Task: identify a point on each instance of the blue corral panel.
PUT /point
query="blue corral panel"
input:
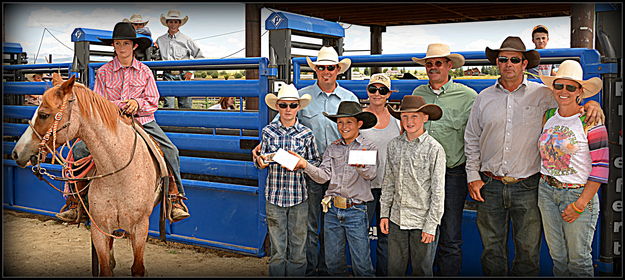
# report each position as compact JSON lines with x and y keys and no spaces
{"x":92,"y":35}
{"x":245,"y":120}
{"x":219,"y":167}
{"x":8,"y":47}
{"x":20,"y":88}
{"x":282,"y":20}
{"x":202,"y":142}
{"x":236,"y":88}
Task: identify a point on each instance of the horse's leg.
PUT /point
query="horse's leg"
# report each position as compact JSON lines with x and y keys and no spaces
{"x":138,"y":238}
{"x":101,"y":243}
{"x":111,"y":255}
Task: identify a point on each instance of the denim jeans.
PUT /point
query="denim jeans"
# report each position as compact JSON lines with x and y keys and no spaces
{"x":315,"y":256}
{"x":349,"y":225}
{"x":381,"y":251}
{"x":405,"y":246}
{"x":449,"y":253}
{"x":184,"y":102}
{"x":570,"y":244}
{"x":504,"y":203}
{"x":287,"y":232}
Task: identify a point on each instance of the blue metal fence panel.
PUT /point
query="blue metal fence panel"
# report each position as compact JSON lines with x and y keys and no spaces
{"x":282,"y":20}
{"x":8,"y":47}
{"x":92,"y":35}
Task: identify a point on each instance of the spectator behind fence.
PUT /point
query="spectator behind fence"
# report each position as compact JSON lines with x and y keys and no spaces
{"x":33,"y":99}
{"x":575,"y":162}
{"x":540,"y":38}
{"x":174,"y":45}
{"x":225,"y":103}
{"x":139,"y":24}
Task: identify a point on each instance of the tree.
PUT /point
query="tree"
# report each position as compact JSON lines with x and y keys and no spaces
{"x":393,"y":68}
{"x":366,"y":71}
{"x":214,"y":75}
{"x":357,"y":70}
{"x":238,"y":75}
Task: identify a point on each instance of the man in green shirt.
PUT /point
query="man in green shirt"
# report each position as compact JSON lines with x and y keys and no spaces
{"x":456,"y":101}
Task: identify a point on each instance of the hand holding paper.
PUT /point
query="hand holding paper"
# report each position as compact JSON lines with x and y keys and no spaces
{"x":362,"y":157}
{"x":286,"y":159}
{"x":302,"y":163}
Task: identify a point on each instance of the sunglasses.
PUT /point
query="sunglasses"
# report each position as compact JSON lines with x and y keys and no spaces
{"x":284,"y":105}
{"x":322,"y":67}
{"x":514,"y":60}
{"x":381,"y":90}
{"x":570,"y":88}
{"x":438,"y":63}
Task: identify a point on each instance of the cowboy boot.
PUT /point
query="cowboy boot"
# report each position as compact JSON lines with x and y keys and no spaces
{"x":179,"y":211}
{"x":72,"y":211}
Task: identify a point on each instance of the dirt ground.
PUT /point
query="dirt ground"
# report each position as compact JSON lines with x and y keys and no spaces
{"x":41,"y":246}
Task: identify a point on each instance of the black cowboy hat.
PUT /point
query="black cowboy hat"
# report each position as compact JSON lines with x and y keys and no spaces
{"x":125,"y":31}
{"x":514,"y":44}
{"x":414,"y":103}
{"x":353,"y":109}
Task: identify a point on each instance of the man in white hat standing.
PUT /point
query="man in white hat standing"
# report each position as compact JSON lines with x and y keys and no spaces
{"x":174,"y":45}
{"x":503,"y":160}
{"x":455,"y":100}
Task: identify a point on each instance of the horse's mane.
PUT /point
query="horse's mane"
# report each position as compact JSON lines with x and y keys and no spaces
{"x":92,"y":105}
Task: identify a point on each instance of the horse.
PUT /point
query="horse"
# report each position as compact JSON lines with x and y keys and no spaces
{"x":122,"y":200}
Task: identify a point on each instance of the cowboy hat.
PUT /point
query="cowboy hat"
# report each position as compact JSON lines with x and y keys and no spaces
{"x":353,"y":109}
{"x":414,"y":103}
{"x":174,"y":14}
{"x":572,"y":70}
{"x":136,"y":18}
{"x":328,"y":56}
{"x":441,"y":50}
{"x":287,"y":92}
{"x":380,"y":78}
{"x":514,"y":44}
{"x":125,"y":31}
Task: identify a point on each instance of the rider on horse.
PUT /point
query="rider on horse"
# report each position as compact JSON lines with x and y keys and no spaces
{"x":130,"y":84}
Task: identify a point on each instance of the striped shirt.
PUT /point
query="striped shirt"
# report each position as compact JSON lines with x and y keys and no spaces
{"x":118,"y":83}
{"x":286,"y":188}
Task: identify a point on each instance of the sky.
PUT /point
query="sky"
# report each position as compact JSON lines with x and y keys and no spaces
{"x":218,"y":29}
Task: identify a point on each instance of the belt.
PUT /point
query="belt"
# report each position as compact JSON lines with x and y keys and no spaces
{"x":343,"y":203}
{"x":559,"y":185}
{"x":504,"y":179}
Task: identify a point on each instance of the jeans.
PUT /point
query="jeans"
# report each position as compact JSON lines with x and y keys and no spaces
{"x":570,"y":244}
{"x":184,"y":102}
{"x":381,"y":251}
{"x":315,"y":256}
{"x":287,"y":232}
{"x":170,"y":151}
{"x":405,"y":246}
{"x":349,"y":225}
{"x":449,"y":253}
{"x":504,"y":203}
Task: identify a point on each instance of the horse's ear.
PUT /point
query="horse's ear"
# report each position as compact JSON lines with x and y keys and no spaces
{"x":56,"y":79}
{"x":66,"y":87}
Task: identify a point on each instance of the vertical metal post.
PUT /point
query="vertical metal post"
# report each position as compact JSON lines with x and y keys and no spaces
{"x":280,"y":53}
{"x":376,"y":44}
{"x":81,"y":61}
{"x":252,"y":46}
{"x":582,"y":25}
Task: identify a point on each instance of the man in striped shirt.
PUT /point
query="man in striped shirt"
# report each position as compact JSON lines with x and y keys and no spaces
{"x":285,"y":191}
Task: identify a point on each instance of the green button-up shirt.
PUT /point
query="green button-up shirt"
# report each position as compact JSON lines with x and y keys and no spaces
{"x":456,"y":101}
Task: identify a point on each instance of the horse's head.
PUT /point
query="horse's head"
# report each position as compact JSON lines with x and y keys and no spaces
{"x":50,"y":123}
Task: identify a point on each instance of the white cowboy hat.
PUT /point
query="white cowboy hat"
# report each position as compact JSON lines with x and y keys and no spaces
{"x":441,"y":50}
{"x":572,"y":70}
{"x":287,"y":92}
{"x":136,"y":18}
{"x":328,"y":56}
{"x":380,"y":78}
{"x":174,"y":14}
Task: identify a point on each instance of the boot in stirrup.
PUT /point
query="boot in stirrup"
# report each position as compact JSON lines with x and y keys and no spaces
{"x":179,"y":210}
{"x":71,"y":212}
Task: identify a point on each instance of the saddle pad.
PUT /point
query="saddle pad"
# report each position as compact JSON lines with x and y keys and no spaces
{"x":152,"y":146}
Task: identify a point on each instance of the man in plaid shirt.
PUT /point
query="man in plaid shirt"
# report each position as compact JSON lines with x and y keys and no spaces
{"x":285,"y":191}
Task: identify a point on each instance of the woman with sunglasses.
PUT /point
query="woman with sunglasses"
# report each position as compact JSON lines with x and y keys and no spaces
{"x":386,"y":129}
{"x":574,"y":163}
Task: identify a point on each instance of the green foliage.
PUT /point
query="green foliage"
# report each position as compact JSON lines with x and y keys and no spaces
{"x":367,"y":71}
{"x":214,"y":75}
{"x":238,"y":75}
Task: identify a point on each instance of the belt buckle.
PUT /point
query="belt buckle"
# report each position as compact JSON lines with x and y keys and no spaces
{"x":340,"y":202}
{"x":509,"y":180}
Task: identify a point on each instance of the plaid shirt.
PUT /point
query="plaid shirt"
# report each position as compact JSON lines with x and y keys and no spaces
{"x":118,"y":83}
{"x":287,"y":188}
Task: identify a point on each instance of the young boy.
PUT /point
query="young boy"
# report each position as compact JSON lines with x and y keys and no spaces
{"x":285,"y":191}
{"x":413,"y":190}
{"x":348,"y":191}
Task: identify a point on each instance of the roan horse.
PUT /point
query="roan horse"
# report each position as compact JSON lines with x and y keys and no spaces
{"x":123,"y":200}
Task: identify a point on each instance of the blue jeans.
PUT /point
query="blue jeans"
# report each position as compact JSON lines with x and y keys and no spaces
{"x":570,"y":244}
{"x":381,"y":251}
{"x":349,"y":225}
{"x":406,"y":246}
{"x":184,"y":102}
{"x":315,"y":256}
{"x":287,"y":232}
{"x":504,"y":203}
{"x":449,"y":254}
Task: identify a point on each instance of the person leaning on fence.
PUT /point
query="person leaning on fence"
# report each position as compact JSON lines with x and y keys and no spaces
{"x":540,"y":38}
{"x":413,"y":190}
{"x":139,"y":100}
{"x":503,"y":161}
{"x":574,"y":163}
{"x":285,"y":191}
{"x":387,"y":128}
{"x":349,"y":190}
{"x":174,"y":45}
{"x":455,"y":99}
{"x":139,"y":24}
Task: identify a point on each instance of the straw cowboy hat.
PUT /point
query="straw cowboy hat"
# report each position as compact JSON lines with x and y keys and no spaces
{"x":514,"y":44}
{"x":328,"y":56}
{"x":174,"y":14}
{"x":572,"y":70}
{"x":287,"y":92}
{"x":125,"y":31}
{"x":353,"y":109}
{"x":136,"y":18}
{"x":441,"y":50}
{"x":414,"y":103}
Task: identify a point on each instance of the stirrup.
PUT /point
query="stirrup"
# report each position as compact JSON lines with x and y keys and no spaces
{"x":177,"y":209}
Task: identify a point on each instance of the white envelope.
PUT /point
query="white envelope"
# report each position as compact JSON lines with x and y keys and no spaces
{"x":285,"y":159}
{"x":362,"y":157}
